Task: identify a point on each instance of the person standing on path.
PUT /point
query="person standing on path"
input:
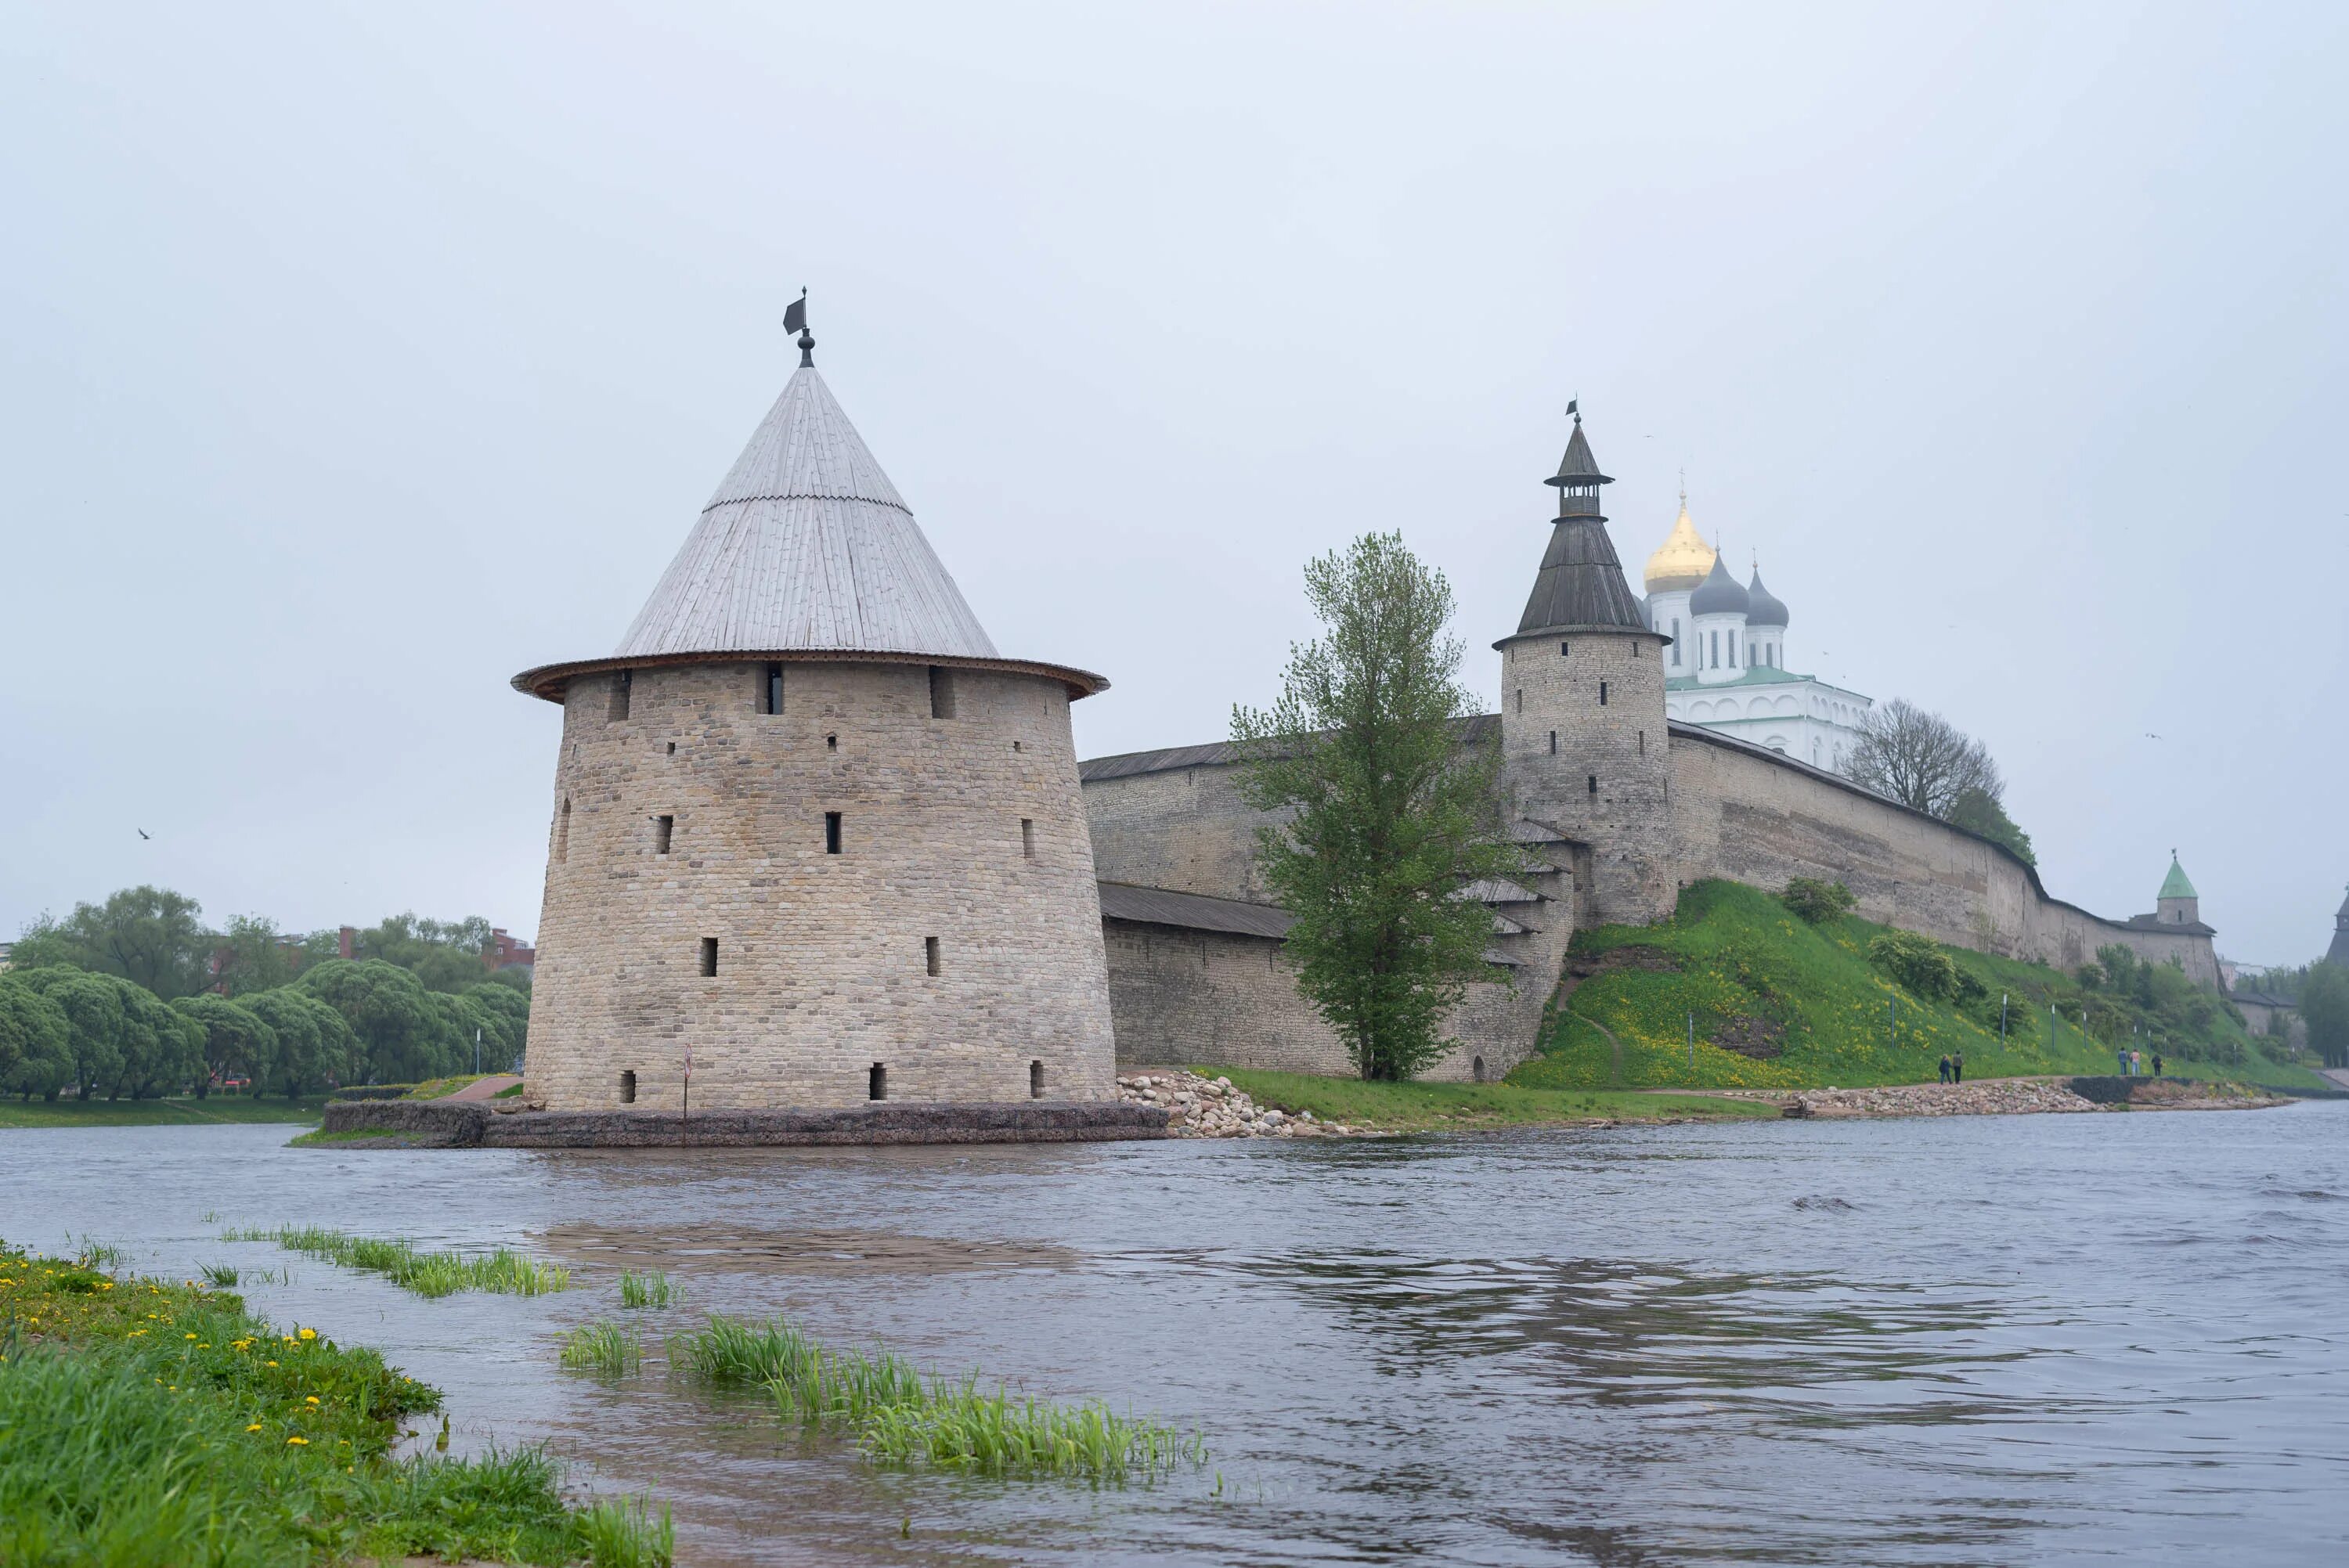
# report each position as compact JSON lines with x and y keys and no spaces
{"x":1945,"y":1067}
{"x":1957,"y":1067}
{"x":2136,"y":1064}
{"x":2122,"y":1057}
{"x":2157,"y":1064}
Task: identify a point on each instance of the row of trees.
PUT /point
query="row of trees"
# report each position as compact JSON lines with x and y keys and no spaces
{"x":137,"y":997}
{"x":340,"y":1022}
{"x":157,"y":940}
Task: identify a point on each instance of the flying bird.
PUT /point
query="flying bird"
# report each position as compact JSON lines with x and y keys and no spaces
{"x":2151,"y":736}
{"x":145,"y":834}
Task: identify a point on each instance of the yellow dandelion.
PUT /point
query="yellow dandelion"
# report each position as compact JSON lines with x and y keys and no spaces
{"x":297,"y":1442}
{"x":191,"y":1336}
{"x":269,"y":1364}
{"x":310,"y":1398}
{"x":255,"y":1427}
{"x":310,"y":1334}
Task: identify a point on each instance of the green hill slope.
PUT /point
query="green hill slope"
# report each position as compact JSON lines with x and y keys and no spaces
{"x":1781,"y":1003}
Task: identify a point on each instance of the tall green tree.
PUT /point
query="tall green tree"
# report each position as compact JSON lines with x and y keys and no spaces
{"x":507,"y":1010}
{"x":402,"y":1036}
{"x":150,"y":936}
{"x":1981,"y":813}
{"x":443,"y":955}
{"x":237,"y":1042}
{"x":35,"y":1055}
{"x":2324,"y":1008}
{"x":252,"y":955}
{"x":314,"y":1042}
{"x":1385,"y":816}
{"x":92,"y":1007}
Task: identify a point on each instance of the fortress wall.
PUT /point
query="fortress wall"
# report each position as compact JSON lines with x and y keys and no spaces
{"x":821,"y":965}
{"x":1758,"y":818}
{"x":1212,"y":997}
{"x":1186,"y":828}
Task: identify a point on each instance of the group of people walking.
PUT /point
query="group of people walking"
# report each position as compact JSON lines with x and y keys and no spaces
{"x":2133,"y":1063}
{"x":1953,"y":1067}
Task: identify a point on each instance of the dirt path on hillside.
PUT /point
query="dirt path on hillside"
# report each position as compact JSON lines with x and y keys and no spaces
{"x":1614,"y":1047}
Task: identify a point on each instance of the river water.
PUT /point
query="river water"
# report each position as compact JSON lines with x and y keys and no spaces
{"x":2046,"y":1339}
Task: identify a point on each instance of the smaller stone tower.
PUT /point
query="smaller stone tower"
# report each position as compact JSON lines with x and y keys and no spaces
{"x":2339,"y":952}
{"x":2177,"y":904}
{"x":1582,"y":710}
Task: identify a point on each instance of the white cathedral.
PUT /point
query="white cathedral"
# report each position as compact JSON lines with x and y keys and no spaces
{"x":1725,"y":667}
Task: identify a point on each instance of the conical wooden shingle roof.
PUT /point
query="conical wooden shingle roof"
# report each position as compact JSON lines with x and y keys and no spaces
{"x":806,"y":545}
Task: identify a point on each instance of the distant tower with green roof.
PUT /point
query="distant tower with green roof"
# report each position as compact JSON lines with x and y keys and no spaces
{"x":2177,"y":904}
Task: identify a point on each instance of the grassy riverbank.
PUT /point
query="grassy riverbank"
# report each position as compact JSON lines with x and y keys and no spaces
{"x":144,"y":1422}
{"x":217,"y":1109}
{"x":1436,"y":1107}
{"x":1781,"y":1003}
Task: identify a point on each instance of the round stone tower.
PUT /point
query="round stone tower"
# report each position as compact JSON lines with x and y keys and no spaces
{"x":812,"y":833}
{"x":1582,"y":711}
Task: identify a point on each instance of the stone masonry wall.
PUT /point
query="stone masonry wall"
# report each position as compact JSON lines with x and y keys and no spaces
{"x":822,"y":963}
{"x":1213,"y":998}
{"x":1757,"y":817}
{"x":1184,"y":828}
{"x":1596,"y":772}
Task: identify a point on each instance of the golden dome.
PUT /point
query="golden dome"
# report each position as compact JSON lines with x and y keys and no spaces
{"x":1684,"y":559}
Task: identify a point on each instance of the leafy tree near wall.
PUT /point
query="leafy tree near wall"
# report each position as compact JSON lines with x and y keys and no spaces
{"x":150,"y":936}
{"x":2324,"y":1007}
{"x":312,"y":1042}
{"x":36,"y":1057}
{"x":508,"y":1011}
{"x":237,"y":1042}
{"x":162,"y":1050}
{"x":402,"y":1037}
{"x":1385,"y":816}
{"x":1980,"y":813}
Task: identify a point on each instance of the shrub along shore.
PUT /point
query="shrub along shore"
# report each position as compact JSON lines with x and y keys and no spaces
{"x":148,"y":1423}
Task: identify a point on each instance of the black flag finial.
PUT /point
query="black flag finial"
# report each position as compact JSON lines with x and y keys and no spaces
{"x":795,"y":320}
{"x":1574,"y":406}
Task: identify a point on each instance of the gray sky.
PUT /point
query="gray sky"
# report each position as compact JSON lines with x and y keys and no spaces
{"x":353,"y":358}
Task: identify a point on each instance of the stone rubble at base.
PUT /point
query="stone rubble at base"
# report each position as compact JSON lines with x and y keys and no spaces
{"x":1998,"y":1096}
{"x":1211,"y":1108}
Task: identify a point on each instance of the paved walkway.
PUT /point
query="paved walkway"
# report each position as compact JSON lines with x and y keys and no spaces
{"x":486,"y":1088}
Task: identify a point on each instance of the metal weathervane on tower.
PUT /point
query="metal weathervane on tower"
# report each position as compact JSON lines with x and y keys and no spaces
{"x":795,"y":320}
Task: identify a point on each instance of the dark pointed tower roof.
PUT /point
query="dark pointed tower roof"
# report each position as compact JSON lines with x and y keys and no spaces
{"x":1762,"y":606}
{"x":1719,"y":594}
{"x":1581,"y":582}
{"x":2339,"y":952}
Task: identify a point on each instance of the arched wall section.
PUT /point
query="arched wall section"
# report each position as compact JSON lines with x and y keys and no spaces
{"x":823,"y":961}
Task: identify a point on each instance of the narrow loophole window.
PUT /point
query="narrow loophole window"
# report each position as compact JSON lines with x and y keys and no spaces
{"x":1521,"y":699}
{"x":562,"y":830}
{"x":1643,"y":743}
{"x":1602,"y":693}
{"x":1594,"y":783}
{"x":1562,"y":649}
{"x":1014,"y":745}
{"x":1028,"y":838}
{"x":831,"y":743}
{"x":672,"y":749}
{"x":629,"y":1088}
{"x":1635,"y":648}
{"x":663,"y":827}
{"x":942,"y":692}
{"x":1553,"y":743}
{"x":621,"y":682}
{"x":832,"y":832}
{"x":930,"y":954}
{"x":770,"y":690}
{"x":877,"y":1082}
{"x":708,"y":955}
{"x":1035,"y":1080}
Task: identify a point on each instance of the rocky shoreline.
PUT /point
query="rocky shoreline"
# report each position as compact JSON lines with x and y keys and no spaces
{"x":1199,"y":1107}
{"x":2017,"y":1096}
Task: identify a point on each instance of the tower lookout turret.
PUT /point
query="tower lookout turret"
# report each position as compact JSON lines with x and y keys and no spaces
{"x":1582,"y":708}
{"x":810,"y":827}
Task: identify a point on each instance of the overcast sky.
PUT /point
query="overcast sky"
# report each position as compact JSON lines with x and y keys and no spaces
{"x":355,"y":358}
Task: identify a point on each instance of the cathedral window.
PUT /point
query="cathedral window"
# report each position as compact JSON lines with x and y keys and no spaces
{"x":1716,"y":638}
{"x":1676,"y":639}
{"x":1733,"y":650}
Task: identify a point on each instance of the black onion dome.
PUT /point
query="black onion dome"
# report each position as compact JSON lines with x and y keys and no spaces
{"x":1718,"y":594}
{"x":1762,"y":606}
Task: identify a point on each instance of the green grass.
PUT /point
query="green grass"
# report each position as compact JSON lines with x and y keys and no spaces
{"x":649,"y":1290}
{"x":898,"y":1415}
{"x":442,"y":1087}
{"x":611,"y":1349}
{"x":187,"y":1112}
{"x":1435,"y":1106}
{"x":504,"y":1272}
{"x":1733,"y":954}
{"x":145,"y":1423}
